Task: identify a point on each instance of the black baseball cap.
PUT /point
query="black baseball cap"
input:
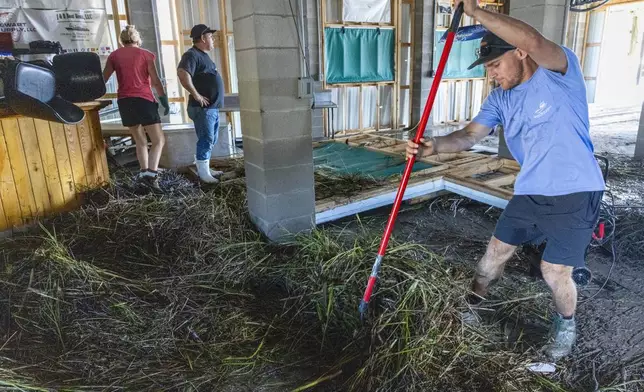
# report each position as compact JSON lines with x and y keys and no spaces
{"x":199,"y":30}
{"x":491,"y":48}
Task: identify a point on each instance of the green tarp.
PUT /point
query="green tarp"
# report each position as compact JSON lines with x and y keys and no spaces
{"x":341,"y":158}
{"x":358,"y":55}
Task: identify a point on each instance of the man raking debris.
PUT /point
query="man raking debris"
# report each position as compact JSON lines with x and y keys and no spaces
{"x":541,"y":104}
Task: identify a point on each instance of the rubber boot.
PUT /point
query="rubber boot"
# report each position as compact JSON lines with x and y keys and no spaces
{"x":203,"y":169}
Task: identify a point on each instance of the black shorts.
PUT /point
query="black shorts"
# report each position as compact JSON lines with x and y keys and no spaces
{"x":138,"y":111}
{"x":565,"y":222}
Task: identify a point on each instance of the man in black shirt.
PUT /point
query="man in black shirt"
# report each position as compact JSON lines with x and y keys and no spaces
{"x":198,"y":74}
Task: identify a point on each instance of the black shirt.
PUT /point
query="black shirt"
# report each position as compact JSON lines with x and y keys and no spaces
{"x":205,"y":77}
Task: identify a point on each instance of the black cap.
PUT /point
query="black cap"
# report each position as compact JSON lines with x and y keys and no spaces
{"x":491,"y":48}
{"x":199,"y":30}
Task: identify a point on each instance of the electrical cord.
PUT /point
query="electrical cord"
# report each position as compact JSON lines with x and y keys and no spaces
{"x":299,"y":40}
{"x":607,"y":215}
{"x":589,"y":8}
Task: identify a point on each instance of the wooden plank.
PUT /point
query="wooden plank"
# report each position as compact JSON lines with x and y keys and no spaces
{"x":400,"y":148}
{"x":511,"y":163}
{"x":92,"y":171}
{"x":498,"y":192}
{"x":67,"y":181}
{"x":412,"y":18}
{"x":176,"y":9}
{"x":322,"y":42}
{"x":50,"y":165}
{"x":395,"y":91}
{"x":75,"y":156}
{"x":3,"y":219}
{"x":505,"y":180}
{"x":478,"y":167}
{"x":97,"y":145}
{"x":19,"y":169}
{"x":116,"y":21}
{"x":434,"y":171}
{"x":202,"y":12}
{"x":422,"y":199}
{"x":466,"y":160}
{"x":223,"y":22}
{"x":585,"y":39}
{"x":128,"y":16}
{"x":8,"y":194}
{"x":35,"y":165}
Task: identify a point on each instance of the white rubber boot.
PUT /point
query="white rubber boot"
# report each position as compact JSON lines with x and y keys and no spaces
{"x":203,"y":169}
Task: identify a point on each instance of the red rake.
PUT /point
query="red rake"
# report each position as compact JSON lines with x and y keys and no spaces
{"x":451,"y":33}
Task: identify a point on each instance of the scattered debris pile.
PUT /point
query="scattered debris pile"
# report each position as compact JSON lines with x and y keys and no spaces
{"x":180,"y":292}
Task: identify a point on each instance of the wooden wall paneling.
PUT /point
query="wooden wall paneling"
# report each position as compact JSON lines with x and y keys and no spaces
{"x":50,"y":165}
{"x":3,"y":219}
{"x":94,"y":121}
{"x":8,"y":196}
{"x":86,"y":146}
{"x":19,"y":169}
{"x":34,"y":164}
{"x":67,"y":180}
{"x":75,"y":156}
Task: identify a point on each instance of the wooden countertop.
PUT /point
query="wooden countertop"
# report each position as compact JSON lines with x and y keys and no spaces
{"x":86,"y":106}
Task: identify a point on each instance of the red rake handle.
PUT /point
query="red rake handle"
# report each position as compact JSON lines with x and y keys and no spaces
{"x":451,"y":34}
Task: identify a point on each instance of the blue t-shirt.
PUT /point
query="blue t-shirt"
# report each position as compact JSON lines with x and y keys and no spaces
{"x":546,"y":126}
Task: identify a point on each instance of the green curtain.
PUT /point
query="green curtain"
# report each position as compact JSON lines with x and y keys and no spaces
{"x":357,"y":55}
{"x":463,"y":54}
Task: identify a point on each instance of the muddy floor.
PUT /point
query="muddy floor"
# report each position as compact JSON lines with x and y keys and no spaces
{"x":610,"y":348}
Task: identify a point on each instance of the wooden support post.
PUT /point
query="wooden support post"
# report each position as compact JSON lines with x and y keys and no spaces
{"x":412,"y":49}
{"x":116,"y":21}
{"x":202,"y":13}
{"x":223,"y":22}
{"x":396,"y":20}
{"x":127,"y":11}
{"x":176,"y":10}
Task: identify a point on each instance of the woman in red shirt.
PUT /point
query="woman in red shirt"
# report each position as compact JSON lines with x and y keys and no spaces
{"x":136,"y":73}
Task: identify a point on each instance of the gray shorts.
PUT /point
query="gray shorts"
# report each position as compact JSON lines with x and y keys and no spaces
{"x":565,"y":223}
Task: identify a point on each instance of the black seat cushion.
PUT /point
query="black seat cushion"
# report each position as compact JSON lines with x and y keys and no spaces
{"x":79,"y":76}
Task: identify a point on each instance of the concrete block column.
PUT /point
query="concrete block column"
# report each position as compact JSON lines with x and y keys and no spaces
{"x":547,"y":16}
{"x":276,"y":124}
{"x":142,"y":16}
{"x":639,"y":143}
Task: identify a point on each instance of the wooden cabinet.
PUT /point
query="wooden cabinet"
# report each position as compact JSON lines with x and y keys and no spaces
{"x":44,"y":166}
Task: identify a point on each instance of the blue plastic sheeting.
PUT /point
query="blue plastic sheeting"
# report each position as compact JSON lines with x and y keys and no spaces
{"x":341,"y":158}
{"x":463,"y":53}
{"x":359,"y":55}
